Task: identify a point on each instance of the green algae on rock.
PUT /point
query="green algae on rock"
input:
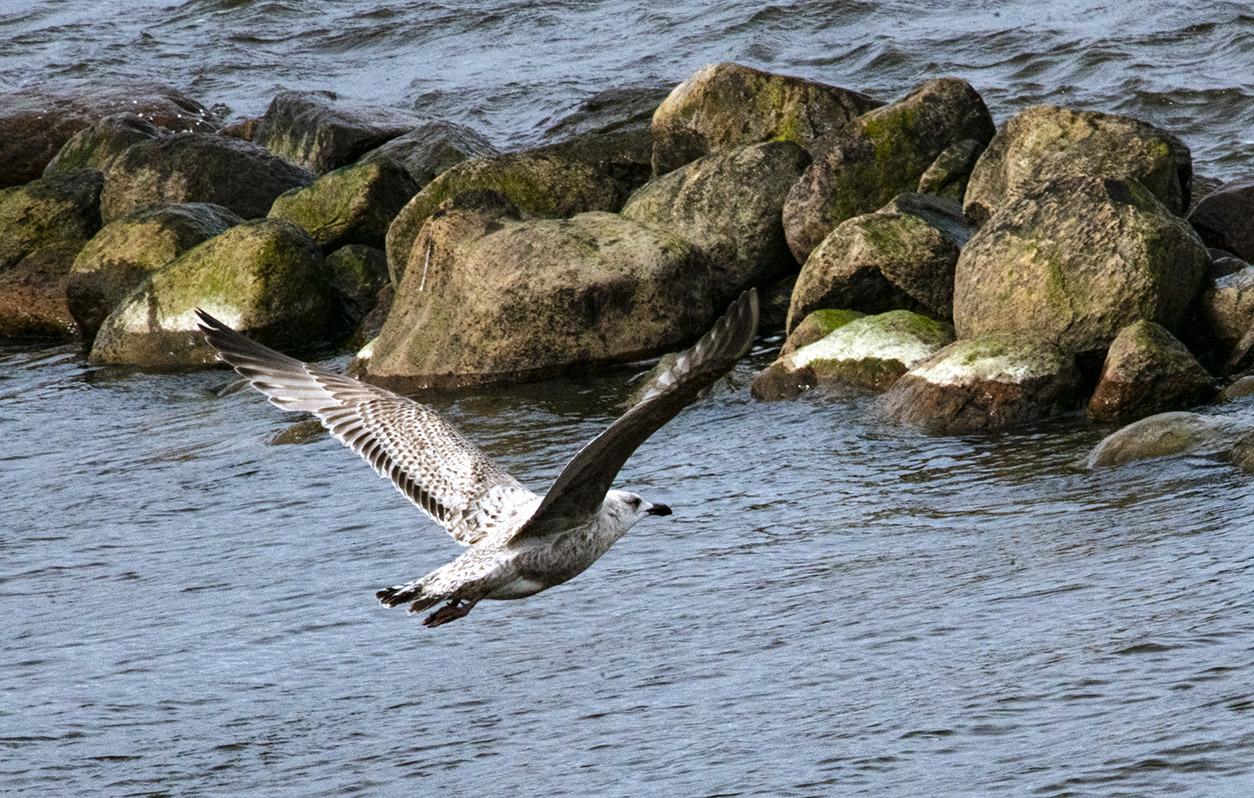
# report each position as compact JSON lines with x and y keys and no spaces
{"x":351,"y":205}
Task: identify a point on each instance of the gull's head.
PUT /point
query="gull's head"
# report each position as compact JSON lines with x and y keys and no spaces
{"x":630,"y":508}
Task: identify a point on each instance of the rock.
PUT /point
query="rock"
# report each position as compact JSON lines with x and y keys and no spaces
{"x":1148,"y":371}
{"x":1224,"y":218}
{"x":1075,"y":261}
{"x":95,"y":146}
{"x":724,"y":106}
{"x":1164,"y":435}
{"x":198,"y":167}
{"x":948,"y":175}
{"x":63,"y":209}
{"x":818,"y":324}
{"x":902,"y":256}
{"x":728,"y":204}
{"x":372,"y":324}
{"x":320,"y":132}
{"x":488,"y":297}
{"x":1243,"y":453}
{"x":352,"y":205}
{"x":1045,"y":142}
{"x":245,"y":129}
{"x":301,"y":432}
{"x":883,"y":153}
{"x":1239,"y":389}
{"x":357,"y":274}
{"x":122,"y":255}
{"x":981,"y":384}
{"x":431,"y":149}
{"x":32,"y":295}
{"x":1228,"y":303}
{"x":35,"y":123}
{"x":539,"y":185}
{"x":869,"y":353}
{"x":265,"y":278}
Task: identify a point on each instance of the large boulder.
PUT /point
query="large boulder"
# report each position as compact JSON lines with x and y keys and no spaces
{"x":122,"y":255}
{"x":724,"y":106}
{"x":198,"y":167}
{"x":35,"y":122}
{"x":1074,"y":262}
{"x":319,"y":131}
{"x":866,"y":354}
{"x":57,"y":210}
{"x":430,"y":149}
{"x":265,"y":278}
{"x":352,"y":205}
{"x":728,"y":204}
{"x":1224,"y":218}
{"x":1148,"y":371}
{"x":97,"y":145}
{"x":489,"y":297}
{"x":983,"y":384}
{"x":610,"y":131}
{"x":1045,"y":142}
{"x":901,"y":256}
{"x":883,"y":153}
{"x":32,"y":295}
{"x":539,"y":185}
{"x":1163,"y":435}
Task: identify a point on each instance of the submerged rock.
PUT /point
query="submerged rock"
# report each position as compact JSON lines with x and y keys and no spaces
{"x":868,"y":353}
{"x":1164,"y":435}
{"x":1148,"y":371}
{"x":981,"y":384}
{"x":1243,"y":453}
{"x":320,"y":132}
{"x":725,"y":106}
{"x":352,"y":205}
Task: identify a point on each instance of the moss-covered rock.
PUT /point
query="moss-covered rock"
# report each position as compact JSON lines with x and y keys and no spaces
{"x":62,"y":209}
{"x":122,"y":255}
{"x":1046,"y":142}
{"x":883,"y":153}
{"x":867,"y":354}
{"x":352,"y":205}
{"x":488,"y":297}
{"x":1148,"y":371}
{"x":1165,"y":435}
{"x":728,"y":204}
{"x":1074,"y":262}
{"x":948,"y":175}
{"x":95,"y":146}
{"x":900,"y":257}
{"x":265,"y":278}
{"x":198,"y":167}
{"x":818,"y":324}
{"x":982,"y":384}
{"x":319,"y":131}
{"x":357,"y":273}
{"x":32,"y":295}
{"x":431,"y":149}
{"x":724,"y":106}
{"x":539,"y":185}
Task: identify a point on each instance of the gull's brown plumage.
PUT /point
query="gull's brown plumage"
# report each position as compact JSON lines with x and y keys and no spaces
{"x":520,"y":544}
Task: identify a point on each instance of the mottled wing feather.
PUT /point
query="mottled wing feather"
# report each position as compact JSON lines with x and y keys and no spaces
{"x":579,"y":490}
{"x":427,"y":460}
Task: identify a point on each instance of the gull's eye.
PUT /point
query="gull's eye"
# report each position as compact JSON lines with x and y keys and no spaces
{"x":634,"y":501}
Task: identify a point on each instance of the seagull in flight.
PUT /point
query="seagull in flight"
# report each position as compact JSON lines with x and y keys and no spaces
{"x":519,"y":543}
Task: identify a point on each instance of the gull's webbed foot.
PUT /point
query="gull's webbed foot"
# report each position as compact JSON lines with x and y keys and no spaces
{"x":449,"y":612}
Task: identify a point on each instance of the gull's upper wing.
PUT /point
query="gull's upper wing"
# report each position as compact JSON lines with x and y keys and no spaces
{"x":436,"y":468}
{"x":579,"y":489}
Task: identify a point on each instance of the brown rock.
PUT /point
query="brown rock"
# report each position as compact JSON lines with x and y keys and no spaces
{"x":1148,"y":371}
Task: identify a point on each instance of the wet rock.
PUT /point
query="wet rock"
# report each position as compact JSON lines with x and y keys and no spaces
{"x":981,"y":384}
{"x":371,"y":325}
{"x":1239,"y":389}
{"x":32,"y":295}
{"x":352,"y":205}
{"x":62,"y":209}
{"x":301,"y":432}
{"x":488,"y":297}
{"x":948,"y":175}
{"x":902,"y":256}
{"x":1228,"y":304}
{"x":883,"y":153}
{"x":869,"y":353}
{"x":539,"y":185}
{"x":265,"y":278}
{"x":431,"y":149}
{"x":728,"y":204}
{"x":1243,"y":453}
{"x":1148,"y":371}
{"x":198,"y":167}
{"x":1164,"y":435}
{"x":1224,"y":218}
{"x":818,"y":324}
{"x":724,"y":106}
{"x":95,"y":146}
{"x":357,"y":274}
{"x":245,"y":129}
{"x":35,"y":124}
{"x":1045,"y":142}
{"x":1075,"y":261}
{"x":320,"y":132}
{"x":122,"y":255}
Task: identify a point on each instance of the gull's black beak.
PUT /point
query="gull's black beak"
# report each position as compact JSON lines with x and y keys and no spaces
{"x":658,"y":509}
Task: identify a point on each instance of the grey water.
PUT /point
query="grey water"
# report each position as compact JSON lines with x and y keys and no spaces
{"x":836,"y":607}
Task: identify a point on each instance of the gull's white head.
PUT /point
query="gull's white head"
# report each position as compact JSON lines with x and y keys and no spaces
{"x":628,"y":508}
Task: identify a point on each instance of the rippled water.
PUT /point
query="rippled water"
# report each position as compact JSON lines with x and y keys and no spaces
{"x":836,"y":608}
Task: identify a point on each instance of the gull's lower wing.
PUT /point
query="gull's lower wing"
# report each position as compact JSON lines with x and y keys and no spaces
{"x":579,"y":489}
{"x":428,"y":461}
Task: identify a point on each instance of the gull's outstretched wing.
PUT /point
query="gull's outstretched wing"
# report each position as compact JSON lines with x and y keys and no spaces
{"x":579,"y":489}
{"x":436,"y":468}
